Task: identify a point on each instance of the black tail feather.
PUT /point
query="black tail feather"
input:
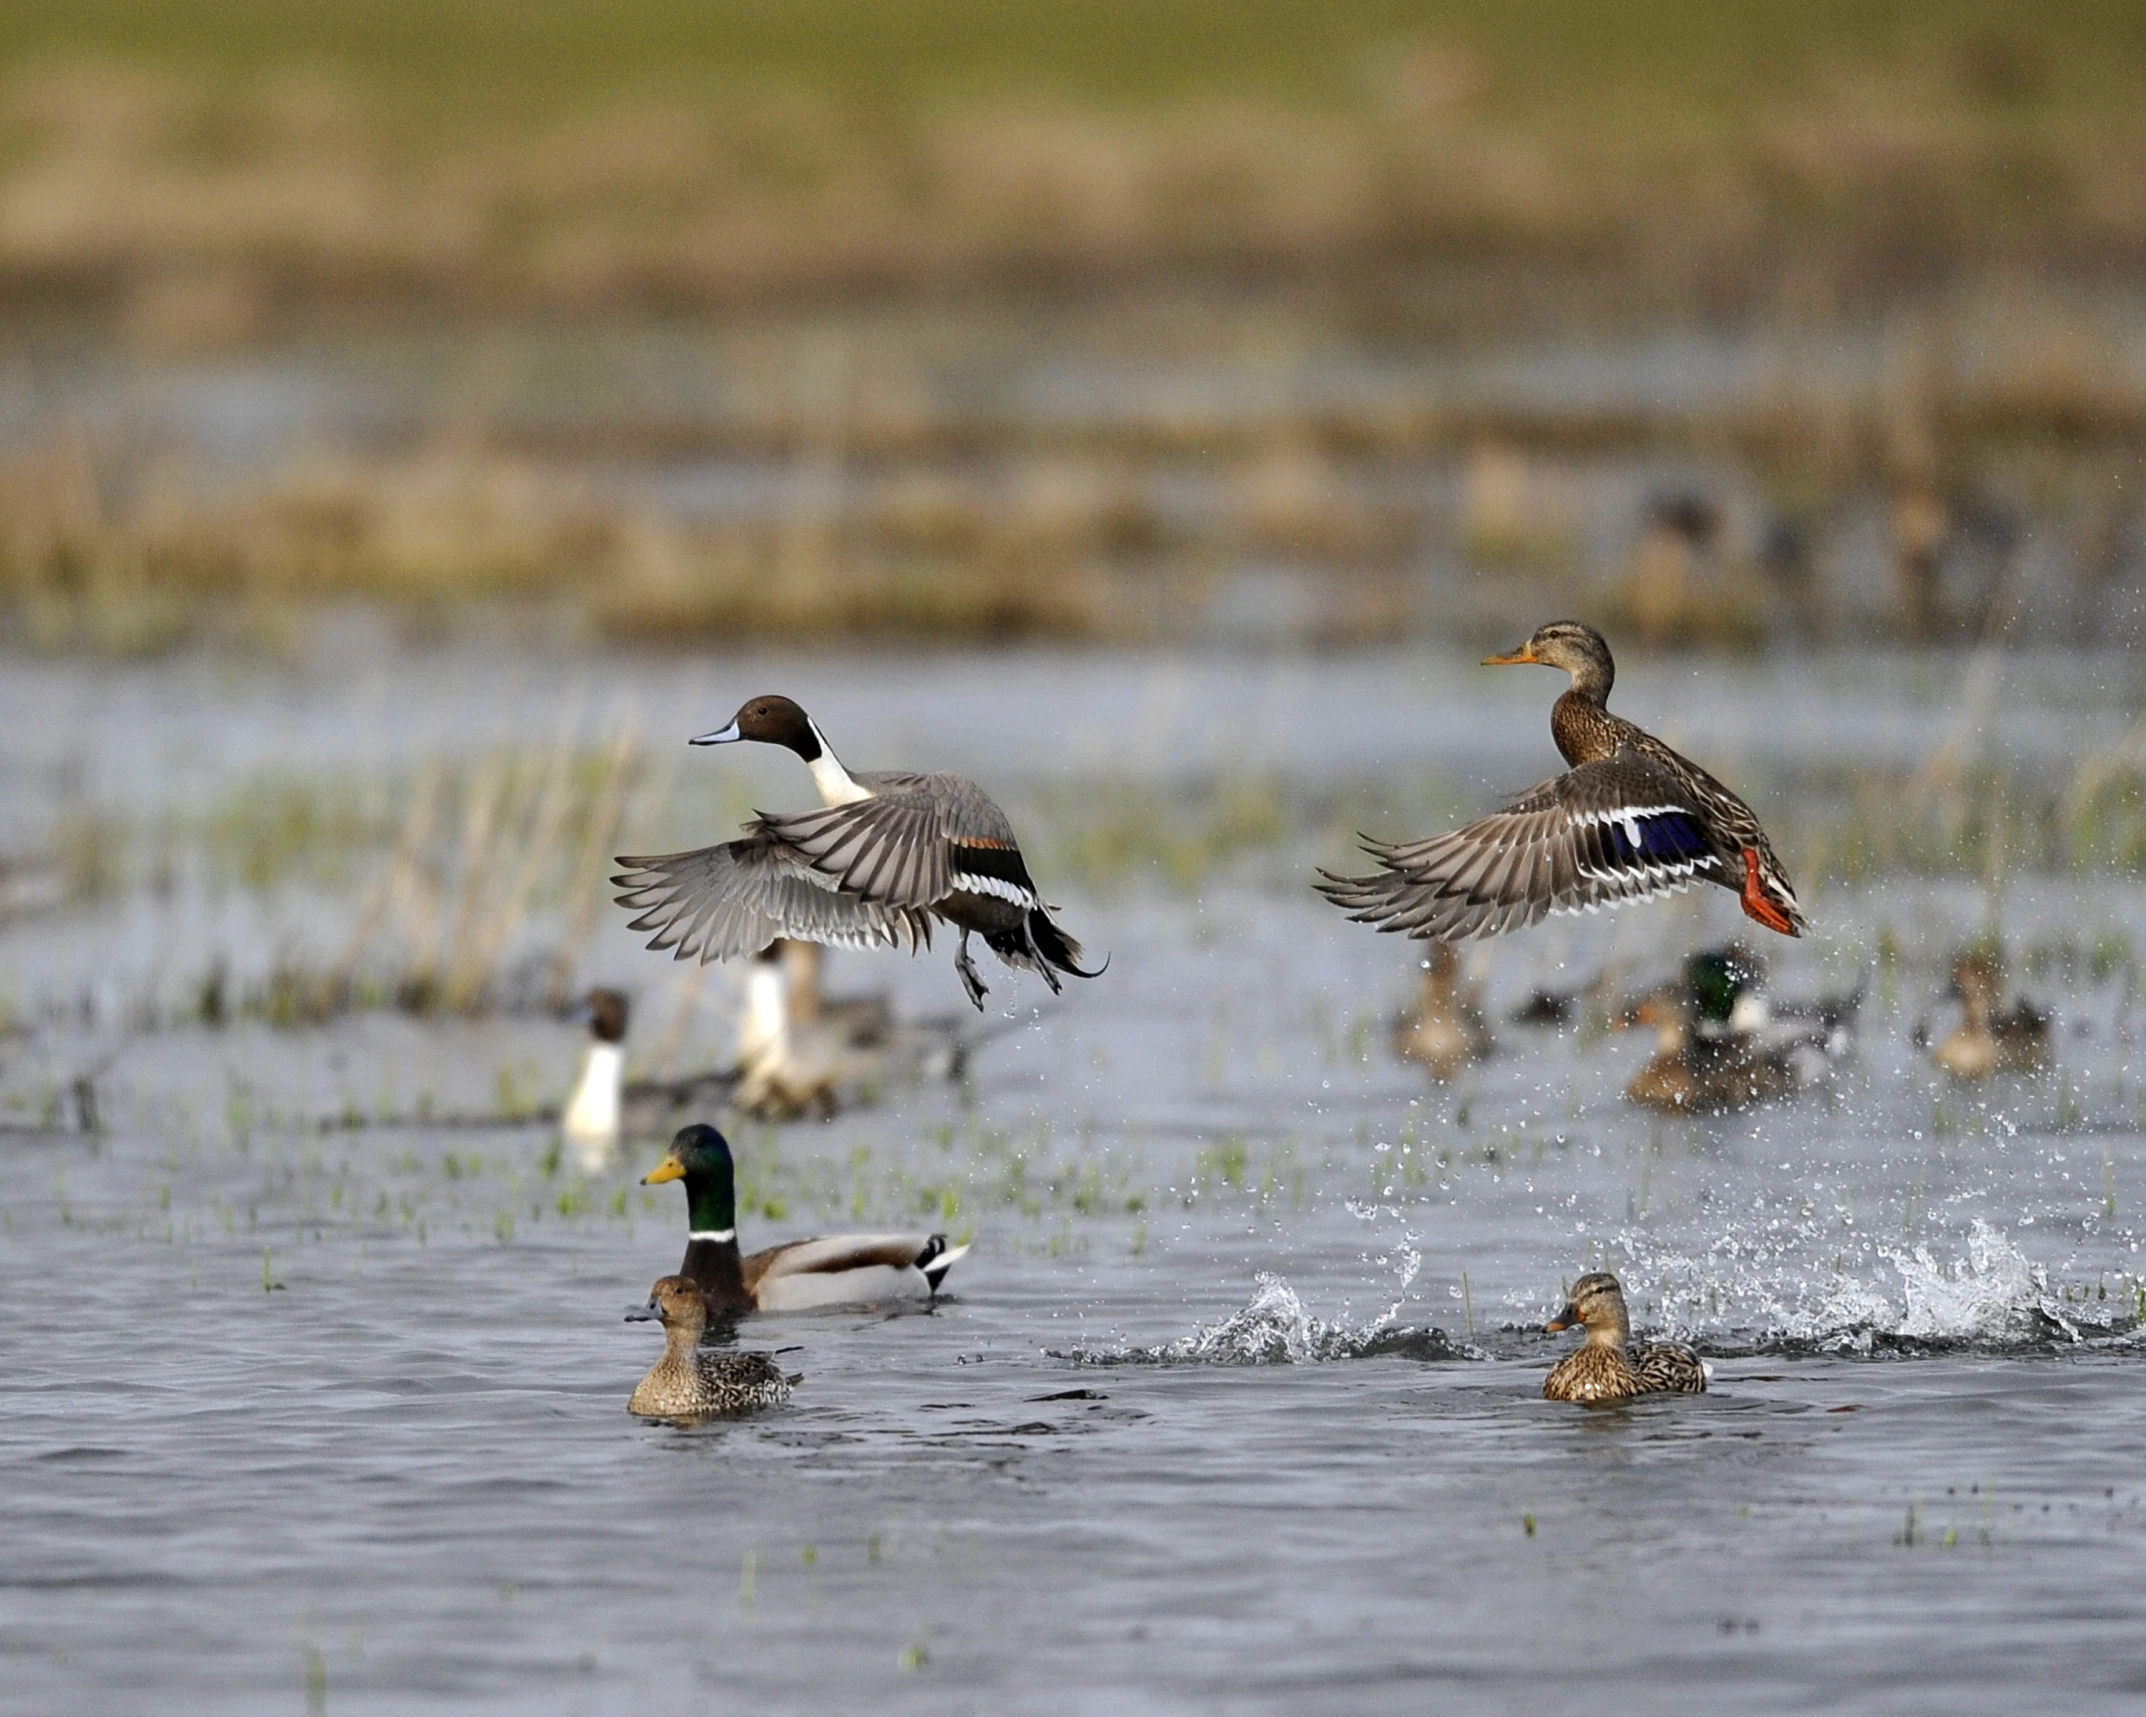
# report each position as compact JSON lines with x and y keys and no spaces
{"x":1057,"y":948}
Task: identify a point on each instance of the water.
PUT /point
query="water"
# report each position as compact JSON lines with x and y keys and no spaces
{"x":1234,"y":1406}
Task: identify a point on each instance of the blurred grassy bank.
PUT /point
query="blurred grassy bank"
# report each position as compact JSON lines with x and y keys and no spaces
{"x":675,"y":321}
{"x":209,"y":165}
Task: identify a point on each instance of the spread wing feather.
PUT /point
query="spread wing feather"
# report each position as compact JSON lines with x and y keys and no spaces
{"x":720,"y":902}
{"x":891,"y":848}
{"x":1603,"y":834}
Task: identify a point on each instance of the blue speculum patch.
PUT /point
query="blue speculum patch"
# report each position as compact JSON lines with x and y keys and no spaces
{"x":1666,"y":837}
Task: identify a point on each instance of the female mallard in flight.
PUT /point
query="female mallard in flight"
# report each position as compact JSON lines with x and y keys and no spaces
{"x":689,"y":1384}
{"x":1630,"y":820}
{"x":840,"y":1270}
{"x":889,"y":852}
{"x":1607,"y":1368}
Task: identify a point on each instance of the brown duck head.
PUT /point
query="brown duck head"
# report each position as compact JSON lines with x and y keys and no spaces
{"x":773,"y":720}
{"x":676,"y":1304}
{"x":1579,"y":650}
{"x":1597,"y":1305}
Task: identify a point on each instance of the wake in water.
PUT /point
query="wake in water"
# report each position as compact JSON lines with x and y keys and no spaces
{"x":1996,"y":1296}
{"x":1274,"y":1328}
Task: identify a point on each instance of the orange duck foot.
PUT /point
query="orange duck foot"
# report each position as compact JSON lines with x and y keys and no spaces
{"x":1756,"y":903}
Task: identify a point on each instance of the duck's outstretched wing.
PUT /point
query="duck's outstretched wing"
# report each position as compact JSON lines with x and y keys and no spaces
{"x":717,"y":903}
{"x":916,"y":840}
{"x":1603,"y":834}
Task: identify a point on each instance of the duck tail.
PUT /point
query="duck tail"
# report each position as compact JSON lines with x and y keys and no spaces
{"x":937,"y":1258}
{"x":1058,"y":949}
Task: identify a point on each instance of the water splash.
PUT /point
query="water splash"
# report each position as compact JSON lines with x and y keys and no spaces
{"x":1275,"y":1328}
{"x":1994,"y":1296}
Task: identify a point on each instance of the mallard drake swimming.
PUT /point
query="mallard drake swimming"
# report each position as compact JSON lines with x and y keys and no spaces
{"x":1630,"y":820}
{"x":689,"y":1384}
{"x":890,"y":852}
{"x":1444,"y":1030}
{"x":839,"y":1270}
{"x":1990,"y":1039}
{"x":1607,"y":1367}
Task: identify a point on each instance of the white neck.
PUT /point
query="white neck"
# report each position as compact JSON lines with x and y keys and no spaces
{"x":715,"y":1234}
{"x":833,"y":781}
{"x":592,"y":1111}
{"x":765,"y":1030}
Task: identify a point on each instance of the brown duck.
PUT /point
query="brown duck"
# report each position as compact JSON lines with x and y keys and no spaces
{"x":1607,"y":1367}
{"x":1630,"y":820}
{"x":689,"y":1384}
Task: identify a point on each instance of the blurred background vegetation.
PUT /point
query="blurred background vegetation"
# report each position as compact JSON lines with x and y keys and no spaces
{"x":1274,"y":320}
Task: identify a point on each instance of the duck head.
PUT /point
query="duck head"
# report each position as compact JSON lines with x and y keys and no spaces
{"x":1579,"y":650}
{"x":700,"y":1156}
{"x":607,"y":1012}
{"x":1596,"y":1305}
{"x":675,"y":1303}
{"x":773,"y":720}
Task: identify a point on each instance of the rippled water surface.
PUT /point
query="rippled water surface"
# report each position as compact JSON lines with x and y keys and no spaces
{"x":1235,"y":1403}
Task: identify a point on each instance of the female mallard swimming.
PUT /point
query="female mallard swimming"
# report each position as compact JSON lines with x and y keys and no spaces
{"x":1607,"y":1368}
{"x":1991,"y":1039}
{"x":840,"y":1270}
{"x":1630,"y":820}
{"x":689,"y":1384}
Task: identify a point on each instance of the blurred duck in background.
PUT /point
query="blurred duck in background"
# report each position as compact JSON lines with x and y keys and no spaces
{"x":1720,"y":1047}
{"x":1444,"y":1030}
{"x":1989,"y":1038}
{"x":604,"y":1108}
{"x":801,"y":1052}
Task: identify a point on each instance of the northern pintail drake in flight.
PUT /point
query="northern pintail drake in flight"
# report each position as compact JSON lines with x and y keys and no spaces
{"x":888,"y":852}
{"x":1607,"y":1367}
{"x":1630,"y":820}
{"x":687,"y":1383}
{"x":839,"y":1270}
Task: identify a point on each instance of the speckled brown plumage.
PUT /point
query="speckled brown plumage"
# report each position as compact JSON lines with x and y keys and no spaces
{"x":1607,"y":1367}
{"x":689,"y":1384}
{"x":1630,"y":820}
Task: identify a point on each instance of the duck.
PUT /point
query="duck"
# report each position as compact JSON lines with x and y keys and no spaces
{"x":1607,"y":1367}
{"x":605,"y":1107}
{"x":591,"y":1119}
{"x":889,"y":853}
{"x":801,"y":1053}
{"x":838,"y":1270}
{"x":689,"y":1384}
{"x":1710,"y":1056}
{"x":1988,"y":1040}
{"x":1445,"y":1029}
{"x":1630,"y":820}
